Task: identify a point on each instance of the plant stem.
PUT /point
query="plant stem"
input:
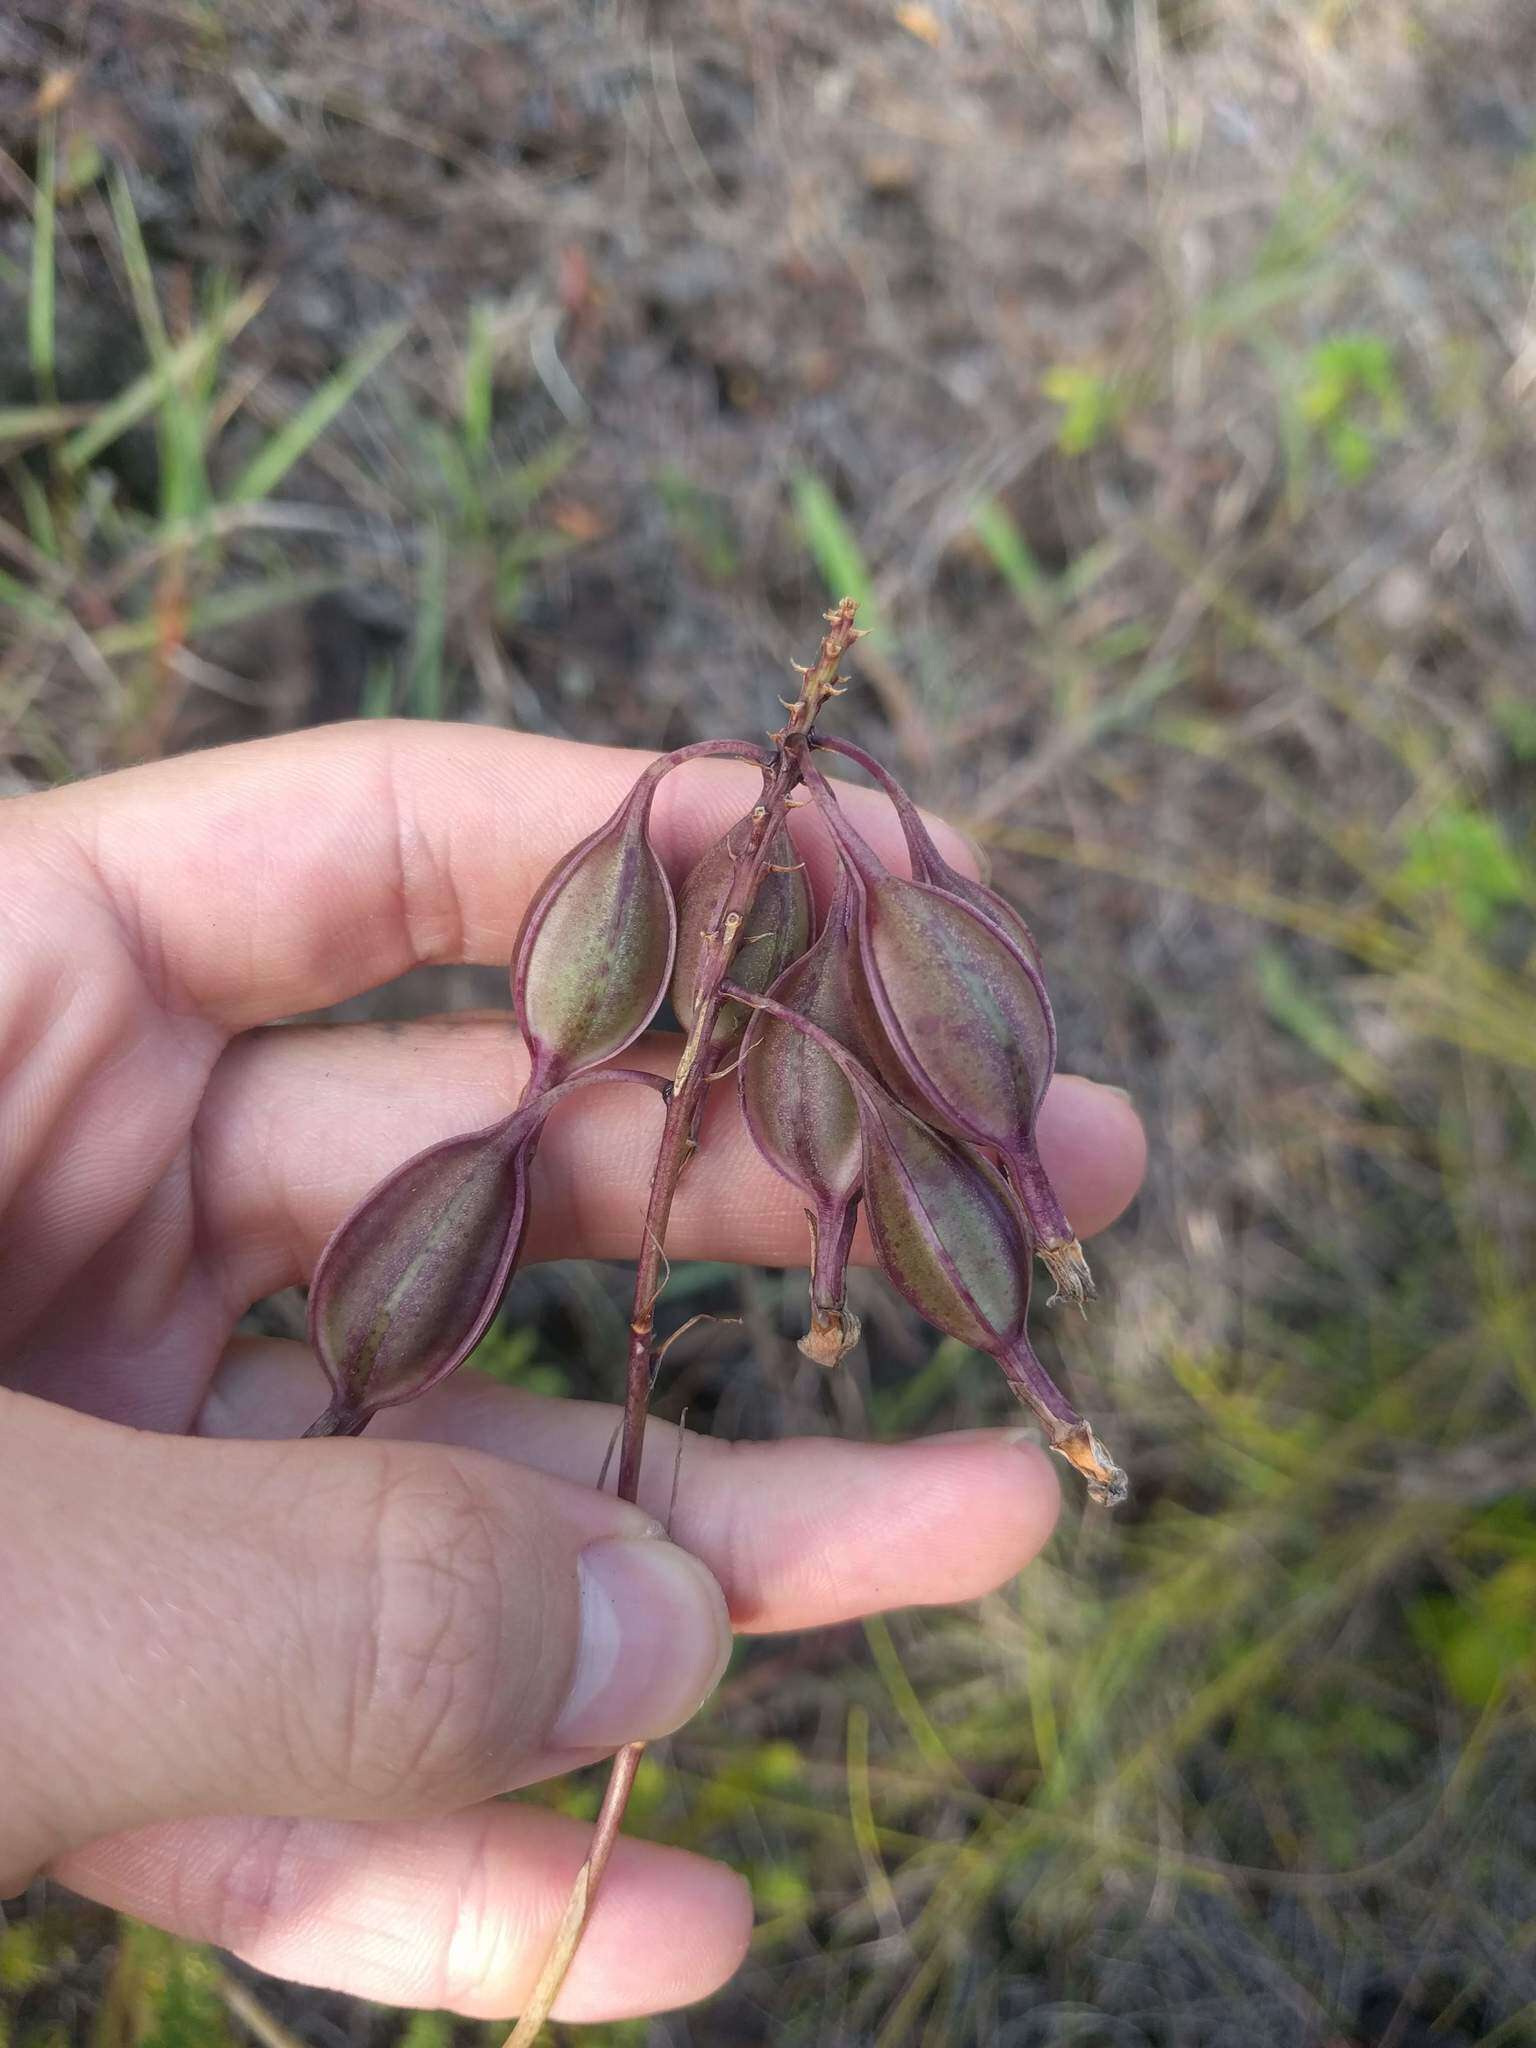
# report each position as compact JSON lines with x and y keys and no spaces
{"x":340,"y":1419}
{"x":695,"y":1070}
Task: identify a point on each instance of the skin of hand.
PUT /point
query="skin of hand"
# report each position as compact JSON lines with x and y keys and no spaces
{"x":266,"y":1692}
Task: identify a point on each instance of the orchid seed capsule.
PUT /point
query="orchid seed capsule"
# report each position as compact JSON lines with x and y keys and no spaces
{"x":928,"y":864}
{"x":952,"y":1237}
{"x":961,"y":1027}
{"x":408,"y":1282}
{"x":804,"y":1120}
{"x":775,"y":931}
{"x":949,"y":1235}
{"x":592,"y":958}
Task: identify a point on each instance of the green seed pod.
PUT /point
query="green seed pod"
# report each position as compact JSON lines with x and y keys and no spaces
{"x":804,"y":1121}
{"x":776,"y":930}
{"x":592,"y":958}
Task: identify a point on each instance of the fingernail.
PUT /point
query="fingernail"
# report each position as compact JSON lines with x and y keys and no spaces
{"x":655,"y":1638}
{"x":1124,"y":1094}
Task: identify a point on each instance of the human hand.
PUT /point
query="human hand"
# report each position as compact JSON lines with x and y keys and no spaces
{"x":265,"y":1692}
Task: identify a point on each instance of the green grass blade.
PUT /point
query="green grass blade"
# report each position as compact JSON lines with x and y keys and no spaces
{"x":29,"y":604}
{"x":424,"y":692}
{"x":146,"y":392}
{"x":833,"y":545}
{"x":41,"y":327}
{"x":378,"y":692}
{"x":520,"y":489}
{"x":1298,"y":1011}
{"x":1014,"y":561}
{"x":298,"y":435}
{"x":37,"y":509}
{"x":141,"y":281}
{"x":479,"y":364}
{"x":23,"y":423}
{"x":224,"y":608}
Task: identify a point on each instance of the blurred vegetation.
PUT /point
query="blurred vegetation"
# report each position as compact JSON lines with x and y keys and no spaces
{"x":1159,"y":379}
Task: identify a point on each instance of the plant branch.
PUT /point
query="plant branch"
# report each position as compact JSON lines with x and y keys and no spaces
{"x":782,"y":775}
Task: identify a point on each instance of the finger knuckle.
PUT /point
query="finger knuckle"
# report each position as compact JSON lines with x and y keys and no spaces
{"x":432,"y":1692}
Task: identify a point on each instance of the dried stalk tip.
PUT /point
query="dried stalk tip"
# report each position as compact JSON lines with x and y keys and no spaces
{"x":1107,"y":1484}
{"x":832,"y":1335}
{"x":1069,"y":1271}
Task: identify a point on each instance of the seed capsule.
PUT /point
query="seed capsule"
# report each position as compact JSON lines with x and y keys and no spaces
{"x":775,"y":931}
{"x":928,"y":864}
{"x":944,"y":1228}
{"x":951,"y":1235}
{"x":957,"y":1016}
{"x":407,"y":1284}
{"x":592,"y":958}
{"x":804,"y":1121}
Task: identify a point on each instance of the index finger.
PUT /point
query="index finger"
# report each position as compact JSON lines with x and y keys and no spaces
{"x":258,"y":881}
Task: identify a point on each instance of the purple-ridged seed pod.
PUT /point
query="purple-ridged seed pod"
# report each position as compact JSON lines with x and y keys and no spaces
{"x":956,"y":1016}
{"x":928,"y":864}
{"x":407,"y":1284}
{"x":952,"y":1237}
{"x":594,"y":953}
{"x":409,"y":1280}
{"x":776,"y":930}
{"x":804,"y":1120}
{"x":949,"y":1235}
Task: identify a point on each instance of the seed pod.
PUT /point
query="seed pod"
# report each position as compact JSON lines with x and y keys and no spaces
{"x":408,"y":1282}
{"x":775,"y":931}
{"x":945,"y":1230}
{"x":950,"y":1236}
{"x":591,"y":962}
{"x":804,"y":1121}
{"x":959,"y":1022}
{"x":928,"y":864}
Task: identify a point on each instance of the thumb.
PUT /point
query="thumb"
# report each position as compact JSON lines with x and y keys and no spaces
{"x":348,"y":1630}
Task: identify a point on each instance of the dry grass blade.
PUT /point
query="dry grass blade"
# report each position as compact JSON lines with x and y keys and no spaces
{"x":263,"y":2026}
{"x":567,"y":1940}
